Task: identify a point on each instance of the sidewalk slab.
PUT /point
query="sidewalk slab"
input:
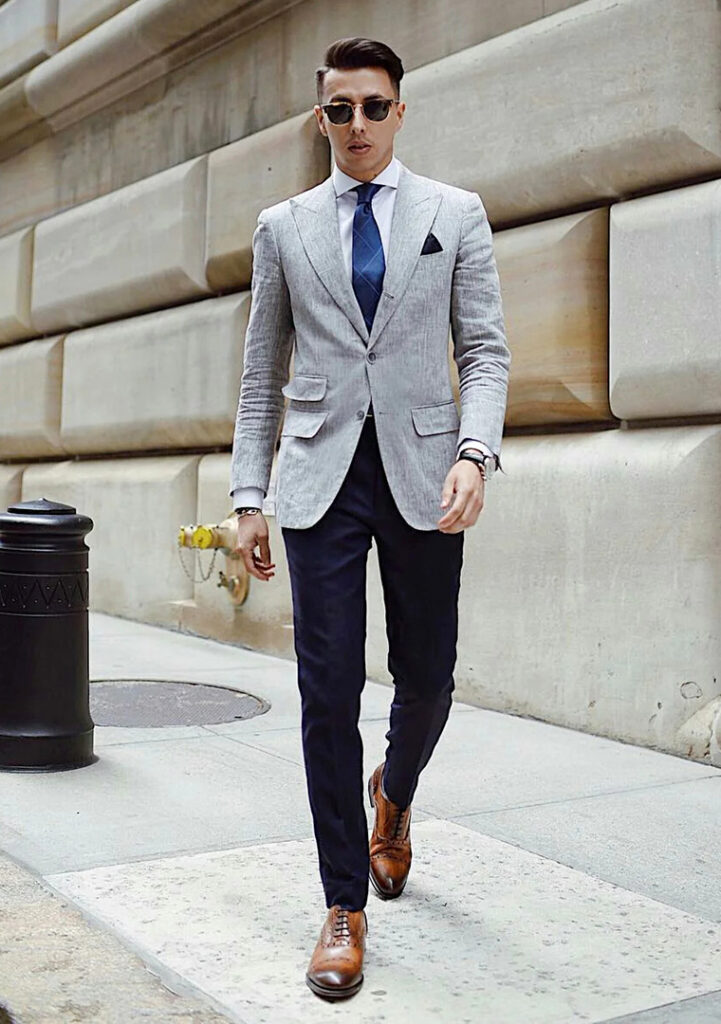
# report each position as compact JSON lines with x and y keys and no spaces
{"x":489,"y":761}
{"x":148,"y":799}
{"x":482,"y":928}
{"x":701,"y":1010}
{"x":662,"y":841}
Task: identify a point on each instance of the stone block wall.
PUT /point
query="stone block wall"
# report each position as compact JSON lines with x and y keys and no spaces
{"x":139,"y":141}
{"x":16,"y":264}
{"x":31,"y":389}
{"x":166,"y":380}
{"x":666,"y":304}
{"x":167,"y":80}
{"x":76,"y":17}
{"x":28,"y":35}
{"x":92,"y":264}
{"x":554,"y":277}
{"x":596,"y":574}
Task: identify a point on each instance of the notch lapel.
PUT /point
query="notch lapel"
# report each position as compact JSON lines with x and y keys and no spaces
{"x":317,"y":219}
{"x":417,"y":200}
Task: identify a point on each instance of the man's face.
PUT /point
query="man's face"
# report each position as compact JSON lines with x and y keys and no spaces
{"x":361,"y":148}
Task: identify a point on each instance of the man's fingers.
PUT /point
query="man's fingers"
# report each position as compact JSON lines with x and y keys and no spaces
{"x":463,"y":511}
{"x":251,"y":565}
{"x":446,"y":493}
{"x":456,"y":507}
{"x":460,"y":497}
{"x":258,"y":565}
{"x":454,"y":513}
{"x":449,"y":493}
{"x":264,"y":550}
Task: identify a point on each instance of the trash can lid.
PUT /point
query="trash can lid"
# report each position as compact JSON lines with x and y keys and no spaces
{"x":43,"y":507}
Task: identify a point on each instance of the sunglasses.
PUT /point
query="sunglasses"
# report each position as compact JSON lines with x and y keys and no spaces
{"x":342,"y":111}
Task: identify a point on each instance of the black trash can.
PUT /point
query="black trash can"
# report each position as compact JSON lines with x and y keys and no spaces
{"x":45,"y":722}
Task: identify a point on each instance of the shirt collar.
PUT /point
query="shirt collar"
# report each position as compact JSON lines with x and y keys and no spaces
{"x":342,"y":182}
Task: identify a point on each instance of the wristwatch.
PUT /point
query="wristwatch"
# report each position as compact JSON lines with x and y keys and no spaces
{"x":486,"y":463}
{"x":247,"y":510}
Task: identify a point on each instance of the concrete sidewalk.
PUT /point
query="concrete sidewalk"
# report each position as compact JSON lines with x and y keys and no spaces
{"x":557,"y":877}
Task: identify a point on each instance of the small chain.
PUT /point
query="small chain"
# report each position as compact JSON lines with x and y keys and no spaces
{"x":202,"y":579}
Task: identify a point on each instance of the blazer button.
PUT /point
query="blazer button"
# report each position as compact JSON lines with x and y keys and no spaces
{"x":360,"y":415}
{"x":371,"y":357}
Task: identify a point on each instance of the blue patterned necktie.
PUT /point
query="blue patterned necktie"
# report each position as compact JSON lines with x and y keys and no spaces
{"x":369,"y":263}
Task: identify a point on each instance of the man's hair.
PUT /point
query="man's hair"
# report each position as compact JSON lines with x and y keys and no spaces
{"x":357,"y":52}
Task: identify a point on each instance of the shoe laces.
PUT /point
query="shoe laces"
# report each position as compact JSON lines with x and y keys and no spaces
{"x":400,"y":817}
{"x":341,"y":926}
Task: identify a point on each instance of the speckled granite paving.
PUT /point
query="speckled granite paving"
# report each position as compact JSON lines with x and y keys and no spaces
{"x":57,"y":967}
{"x":481,"y":927}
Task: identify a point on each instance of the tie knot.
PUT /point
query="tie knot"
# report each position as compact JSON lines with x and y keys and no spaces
{"x":366,"y":191}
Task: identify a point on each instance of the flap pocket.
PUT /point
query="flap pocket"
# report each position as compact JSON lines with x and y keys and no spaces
{"x":436,"y":419}
{"x":300,"y":423}
{"x":305,"y":386}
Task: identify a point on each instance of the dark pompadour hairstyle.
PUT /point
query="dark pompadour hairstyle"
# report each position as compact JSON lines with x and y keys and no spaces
{"x":358,"y":52}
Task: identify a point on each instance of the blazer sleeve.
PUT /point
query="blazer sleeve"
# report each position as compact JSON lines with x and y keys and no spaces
{"x":479,"y":336}
{"x":267,"y":351}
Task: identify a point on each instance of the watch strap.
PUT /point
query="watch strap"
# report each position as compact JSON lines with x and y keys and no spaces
{"x":480,"y":459}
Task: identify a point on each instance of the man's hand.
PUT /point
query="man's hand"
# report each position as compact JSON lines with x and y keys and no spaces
{"x":252,"y":533}
{"x":466,"y":486}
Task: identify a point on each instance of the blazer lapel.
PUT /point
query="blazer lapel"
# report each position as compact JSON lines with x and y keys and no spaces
{"x":413,"y":213}
{"x":316,"y":216}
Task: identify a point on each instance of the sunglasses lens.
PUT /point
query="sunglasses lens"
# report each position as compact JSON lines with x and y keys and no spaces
{"x":342,"y":113}
{"x":376,"y":110}
{"x":339,"y":113}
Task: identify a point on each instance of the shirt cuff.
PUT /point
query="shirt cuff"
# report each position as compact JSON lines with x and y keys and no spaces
{"x":468,"y":442}
{"x":252,"y":496}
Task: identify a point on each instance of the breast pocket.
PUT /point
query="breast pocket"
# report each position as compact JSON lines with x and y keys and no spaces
{"x":435,"y":259}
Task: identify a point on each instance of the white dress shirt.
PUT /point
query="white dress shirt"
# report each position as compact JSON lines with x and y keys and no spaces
{"x":383,"y":203}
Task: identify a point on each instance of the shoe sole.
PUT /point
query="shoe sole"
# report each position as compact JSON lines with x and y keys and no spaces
{"x":333,"y":993}
{"x":381,"y":892}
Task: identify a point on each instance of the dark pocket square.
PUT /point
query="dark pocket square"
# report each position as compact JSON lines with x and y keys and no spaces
{"x":431,"y":244}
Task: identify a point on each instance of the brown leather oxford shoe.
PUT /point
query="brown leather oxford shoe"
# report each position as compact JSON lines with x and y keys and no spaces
{"x":390,"y":843}
{"x":336,"y":966}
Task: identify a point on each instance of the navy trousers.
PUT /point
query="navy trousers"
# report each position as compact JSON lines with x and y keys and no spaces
{"x":420,"y":573}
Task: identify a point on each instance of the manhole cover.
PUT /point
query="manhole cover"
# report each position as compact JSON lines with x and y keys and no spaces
{"x":148,"y":703}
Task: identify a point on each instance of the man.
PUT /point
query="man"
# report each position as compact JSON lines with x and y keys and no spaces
{"x":364,"y":274}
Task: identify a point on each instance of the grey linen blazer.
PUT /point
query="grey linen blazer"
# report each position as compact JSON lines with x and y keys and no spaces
{"x":302,"y":296}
